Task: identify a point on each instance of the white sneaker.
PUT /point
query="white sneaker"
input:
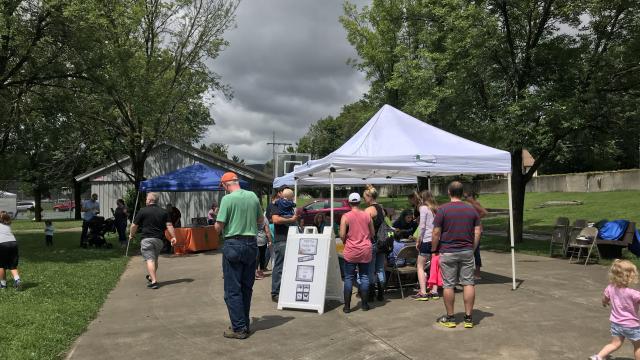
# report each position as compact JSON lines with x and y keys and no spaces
{"x":595,"y":357}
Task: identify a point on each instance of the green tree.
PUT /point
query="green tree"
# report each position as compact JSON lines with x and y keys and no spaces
{"x":33,"y":53}
{"x":216,"y":148}
{"x":327,"y":134}
{"x":147,"y":71}
{"x":513,"y":74}
{"x":237,"y":159}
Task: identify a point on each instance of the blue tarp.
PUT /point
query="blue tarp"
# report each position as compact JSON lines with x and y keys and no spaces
{"x":613,"y":230}
{"x":196,"y":177}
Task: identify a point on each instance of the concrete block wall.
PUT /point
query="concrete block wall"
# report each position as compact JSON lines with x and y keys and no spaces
{"x":578,"y":182}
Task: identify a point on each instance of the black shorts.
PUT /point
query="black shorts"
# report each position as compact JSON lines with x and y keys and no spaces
{"x":9,"y":255}
{"x":425,"y":248}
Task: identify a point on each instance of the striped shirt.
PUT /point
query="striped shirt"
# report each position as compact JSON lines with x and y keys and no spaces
{"x":457,"y":221}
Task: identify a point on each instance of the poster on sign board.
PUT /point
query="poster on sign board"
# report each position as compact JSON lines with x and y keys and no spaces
{"x":308,"y":246}
{"x":310,"y":274}
{"x":304,"y":273}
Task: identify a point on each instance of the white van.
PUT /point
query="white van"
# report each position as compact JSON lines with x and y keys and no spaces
{"x":8,"y":203}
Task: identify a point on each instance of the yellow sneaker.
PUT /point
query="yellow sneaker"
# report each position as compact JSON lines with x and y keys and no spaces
{"x":447,"y":321}
{"x":468,"y":322}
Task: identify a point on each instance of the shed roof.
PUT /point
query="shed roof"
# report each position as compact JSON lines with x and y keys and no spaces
{"x":198,"y":155}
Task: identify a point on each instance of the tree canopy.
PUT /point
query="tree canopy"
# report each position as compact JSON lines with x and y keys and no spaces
{"x":556,"y":77}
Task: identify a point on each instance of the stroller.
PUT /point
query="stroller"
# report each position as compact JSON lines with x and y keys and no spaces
{"x":98,"y":228}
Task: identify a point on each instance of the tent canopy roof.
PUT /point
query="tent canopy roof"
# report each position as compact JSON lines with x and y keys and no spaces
{"x":393,"y":143}
{"x":197,"y":177}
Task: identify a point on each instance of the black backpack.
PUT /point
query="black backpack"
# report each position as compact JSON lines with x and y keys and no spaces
{"x":383,"y":239}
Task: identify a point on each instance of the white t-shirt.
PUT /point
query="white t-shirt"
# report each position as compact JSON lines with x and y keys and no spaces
{"x":5,"y":234}
{"x":426,"y":223}
{"x":92,"y":207}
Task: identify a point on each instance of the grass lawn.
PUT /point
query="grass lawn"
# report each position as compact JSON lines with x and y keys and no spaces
{"x":20,"y":225}
{"x":64,"y":287}
{"x":596,"y":206}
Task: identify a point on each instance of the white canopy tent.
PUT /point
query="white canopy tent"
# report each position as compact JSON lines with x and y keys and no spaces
{"x":393,"y":144}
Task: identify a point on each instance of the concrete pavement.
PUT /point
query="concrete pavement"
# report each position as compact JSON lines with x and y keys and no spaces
{"x":555,"y":314}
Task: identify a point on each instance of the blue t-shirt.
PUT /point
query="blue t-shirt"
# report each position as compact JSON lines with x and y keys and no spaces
{"x":285,"y":207}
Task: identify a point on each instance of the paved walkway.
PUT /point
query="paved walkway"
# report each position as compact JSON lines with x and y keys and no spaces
{"x":555,"y":314}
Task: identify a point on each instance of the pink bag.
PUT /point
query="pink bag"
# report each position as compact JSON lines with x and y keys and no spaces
{"x":435,"y":277}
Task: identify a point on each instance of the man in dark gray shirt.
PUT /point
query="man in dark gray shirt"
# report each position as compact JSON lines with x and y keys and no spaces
{"x":153,"y":221}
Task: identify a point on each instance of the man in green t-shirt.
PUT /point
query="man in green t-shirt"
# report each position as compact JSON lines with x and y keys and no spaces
{"x":238,"y":220}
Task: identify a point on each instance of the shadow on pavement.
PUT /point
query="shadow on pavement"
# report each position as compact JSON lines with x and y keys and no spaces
{"x":269,"y":321}
{"x":490,"y":278}
{"x":176,"y":281}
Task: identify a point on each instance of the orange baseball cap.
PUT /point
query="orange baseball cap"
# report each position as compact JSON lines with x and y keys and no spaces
{"x":228,"y":176}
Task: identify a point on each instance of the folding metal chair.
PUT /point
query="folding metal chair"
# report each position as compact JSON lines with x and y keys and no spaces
{"x":410,"y":255}
{"x":574,"y":231}
{"x":586,"y":239}
{"x":560,"y":236}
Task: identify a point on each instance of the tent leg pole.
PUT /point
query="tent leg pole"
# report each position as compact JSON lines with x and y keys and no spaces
{"x":295,"y":190}
{"x":135,"y":208}
{"x":513,"y":251}
{"x":331,"y":199}
{"x":429,"y":183}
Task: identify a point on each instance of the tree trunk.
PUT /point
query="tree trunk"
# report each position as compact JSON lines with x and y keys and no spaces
{"x":77,"y":198}
{"x":137,"y":167}
{"x":518,"y":187}
{"x":37,"y":197}
{"x":423,"y":183}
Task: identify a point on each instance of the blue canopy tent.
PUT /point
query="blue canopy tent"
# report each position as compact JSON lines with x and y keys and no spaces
{"x":197,"y":177}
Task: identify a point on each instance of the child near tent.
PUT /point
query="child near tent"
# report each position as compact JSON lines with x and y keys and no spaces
{"x":8,"y":253}
{"x":624,"y":302}
{"x":286,"y":206}
{"x":48,"y":232}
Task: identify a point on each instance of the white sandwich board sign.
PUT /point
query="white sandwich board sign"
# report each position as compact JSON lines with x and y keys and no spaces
{"x":311,"y":273}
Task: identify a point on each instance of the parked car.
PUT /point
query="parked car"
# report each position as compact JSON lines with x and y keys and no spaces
{"x":65,"y":206}
{"x":25,"y":205}
{"x":309,"y":211}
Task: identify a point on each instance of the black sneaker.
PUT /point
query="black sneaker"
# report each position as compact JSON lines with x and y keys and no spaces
{"x":153,"y":285}
{"x":3,"y":286}
{"x":468,"y":322}
{"x":148,"y":277}
{"x":17,"y":284}
{"x":230,"y":334}
{"x":274,"y":298}
{"x":447,"y":321}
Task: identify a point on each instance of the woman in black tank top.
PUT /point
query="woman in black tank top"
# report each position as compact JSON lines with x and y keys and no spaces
{"x":376,"y":266}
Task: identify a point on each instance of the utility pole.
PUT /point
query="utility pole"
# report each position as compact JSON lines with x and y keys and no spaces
{"x":273,"y":143}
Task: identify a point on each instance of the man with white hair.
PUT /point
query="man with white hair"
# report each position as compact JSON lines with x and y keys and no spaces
{"x":153,"y":221}
{"x":238,"y":220}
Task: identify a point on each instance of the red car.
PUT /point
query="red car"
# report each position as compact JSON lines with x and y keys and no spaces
{"x":310,"y":210}
{"x":65,"y":206}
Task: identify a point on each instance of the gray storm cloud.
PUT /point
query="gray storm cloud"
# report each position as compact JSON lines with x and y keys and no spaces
{"x":286,"y":64}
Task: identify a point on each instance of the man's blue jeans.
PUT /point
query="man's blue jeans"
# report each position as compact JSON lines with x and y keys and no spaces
{"x":239,"y":270}
{"x":279,"y":248}
{"x":350,"y":273}
{"x":376,"y":266}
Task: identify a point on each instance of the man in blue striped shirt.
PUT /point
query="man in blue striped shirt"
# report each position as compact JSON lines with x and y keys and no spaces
{"x":456,"y":234}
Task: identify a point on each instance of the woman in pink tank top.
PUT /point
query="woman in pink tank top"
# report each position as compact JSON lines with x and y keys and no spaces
{"x":356,"y":232}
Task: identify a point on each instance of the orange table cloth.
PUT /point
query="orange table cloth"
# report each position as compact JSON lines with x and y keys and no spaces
{"x":195,"y":239}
